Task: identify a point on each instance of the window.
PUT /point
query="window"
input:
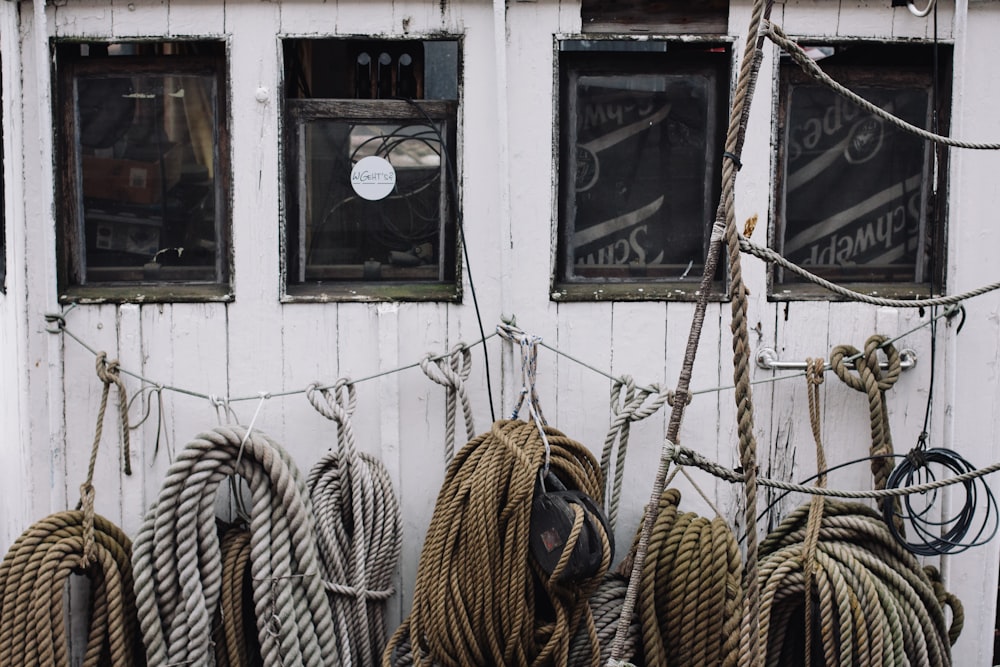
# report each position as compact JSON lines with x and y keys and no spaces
{"x":856,"y":197}
{"x":370,"y":159}
{"x":144,"y":204}
{"x":662,"y":17}
{"x":640,"y":142}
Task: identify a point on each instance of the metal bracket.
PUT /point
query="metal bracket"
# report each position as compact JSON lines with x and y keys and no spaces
{"x":767,"y":359}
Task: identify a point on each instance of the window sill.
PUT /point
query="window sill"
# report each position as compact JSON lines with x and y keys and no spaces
{"x":371,"y":292}
{"x":673,"y":291}
{"x":811,"y":292}
{"x":150,"y":293}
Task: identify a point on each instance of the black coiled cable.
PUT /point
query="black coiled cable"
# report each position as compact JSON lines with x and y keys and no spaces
{"x":948,"y":535}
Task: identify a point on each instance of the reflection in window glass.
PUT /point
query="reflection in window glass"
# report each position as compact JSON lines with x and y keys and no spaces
{"x":147,"y":165}
{"x":639,"y":144}
{"x":145,"y":202}
{"x":856,"y":186}
{"x":855,"y":196}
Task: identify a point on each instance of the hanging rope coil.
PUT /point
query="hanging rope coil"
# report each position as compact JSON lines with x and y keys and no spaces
{"x":872,"y":381}
{"x":876,"y":605}
{"x":480,"y":598}
{"x":690,"y":589}
{"x":35,"y":573}
{"x":33,"y":579}
{"x":452,"y":376}
{"x":177,"y":558}
{"x":358,"y":530}
{"x":628,"y":404}
{"x":235,"y":638}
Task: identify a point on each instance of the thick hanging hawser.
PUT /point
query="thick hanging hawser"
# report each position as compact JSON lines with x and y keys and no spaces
{"x":359,"y":532}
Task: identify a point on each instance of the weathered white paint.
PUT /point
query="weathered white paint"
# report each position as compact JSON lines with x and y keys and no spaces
{"x":260,"y":343}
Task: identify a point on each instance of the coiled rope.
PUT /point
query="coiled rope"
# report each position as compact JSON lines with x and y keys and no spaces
{"x":876,"y":605}
{"x":690,"y":591}
{"x":358,"y":530}
{"x":177,"y":558}
{"x":480,"y":598}
{"x":234,"y":645}
{"x":35,"y":572}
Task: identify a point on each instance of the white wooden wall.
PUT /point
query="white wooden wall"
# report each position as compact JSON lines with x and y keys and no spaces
{"x":49,"y":393}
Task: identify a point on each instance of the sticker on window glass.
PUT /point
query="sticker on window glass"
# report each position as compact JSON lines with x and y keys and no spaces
{"x":373,"y":178}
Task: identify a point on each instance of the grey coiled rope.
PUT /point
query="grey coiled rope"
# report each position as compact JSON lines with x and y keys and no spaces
{"x":359,"y":531}
{"x":177,"y":559}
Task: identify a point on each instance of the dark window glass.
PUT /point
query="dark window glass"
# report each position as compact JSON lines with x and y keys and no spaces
{"x":144,"y":190}
{"x":639,"y":159}
{"x":370,"y":161}
{"x":856,"y":194}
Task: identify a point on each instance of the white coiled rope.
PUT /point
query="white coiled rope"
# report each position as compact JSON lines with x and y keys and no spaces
{"x":359,"y":531}
{"x":177,"y":559}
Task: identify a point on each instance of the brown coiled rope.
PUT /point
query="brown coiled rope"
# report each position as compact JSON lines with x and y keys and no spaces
{"x":690,"y":590}
{"x":479,"y":599}
{"x":35,"y":572}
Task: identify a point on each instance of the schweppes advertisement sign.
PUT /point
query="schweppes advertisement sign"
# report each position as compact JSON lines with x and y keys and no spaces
{"x":640,"y":174}
{"x":855,"y":185}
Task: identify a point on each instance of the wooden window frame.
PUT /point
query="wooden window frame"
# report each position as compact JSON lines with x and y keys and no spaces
{"x":167,"y":283}
{"x":688,"y":55}
{"x":894,"y":73}
{"x":348,"y":283}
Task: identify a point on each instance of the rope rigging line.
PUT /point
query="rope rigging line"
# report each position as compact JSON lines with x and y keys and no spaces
{"x":34,"y":575}
{"x":452,"y":376}
{"x":628,"y":404}
{"x":809,"y":66}
{"x":724,"y":227}
{"x":177,"y":557}
{"x":359,"y":531}
{"x":769,"y":255}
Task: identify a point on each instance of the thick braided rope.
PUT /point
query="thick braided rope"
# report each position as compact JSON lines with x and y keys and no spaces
{"x":452,"y":376}
{"x":359,"y":530}
{"x":628,"y":404}
{"x":724,"y":222}
{"x":33,"y":581}
{"x":234,"y":645}
{"x":605,"y":607}
{"x":809,"y":66}
{"x":689,"y":605}
{"x":877,"y":606}
{"x":814,"y":378}
{"x":177,"y":557}
{"x":479,"y":598}
{"x":769,"y":255}
{"x":870,"y":380}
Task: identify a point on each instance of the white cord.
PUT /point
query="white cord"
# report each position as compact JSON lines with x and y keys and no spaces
{"x":920,"y":12}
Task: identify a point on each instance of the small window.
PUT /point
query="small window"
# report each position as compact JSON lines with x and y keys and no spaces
{"x":371,"y":178}
{"x":640,"y":142}
{"x":144,"y":204}
{"x":857,"y":198}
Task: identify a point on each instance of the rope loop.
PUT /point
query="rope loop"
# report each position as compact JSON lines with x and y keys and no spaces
{"x":109,"y":373}
{"x":452,"y":376}
{"x":337,"y":404}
